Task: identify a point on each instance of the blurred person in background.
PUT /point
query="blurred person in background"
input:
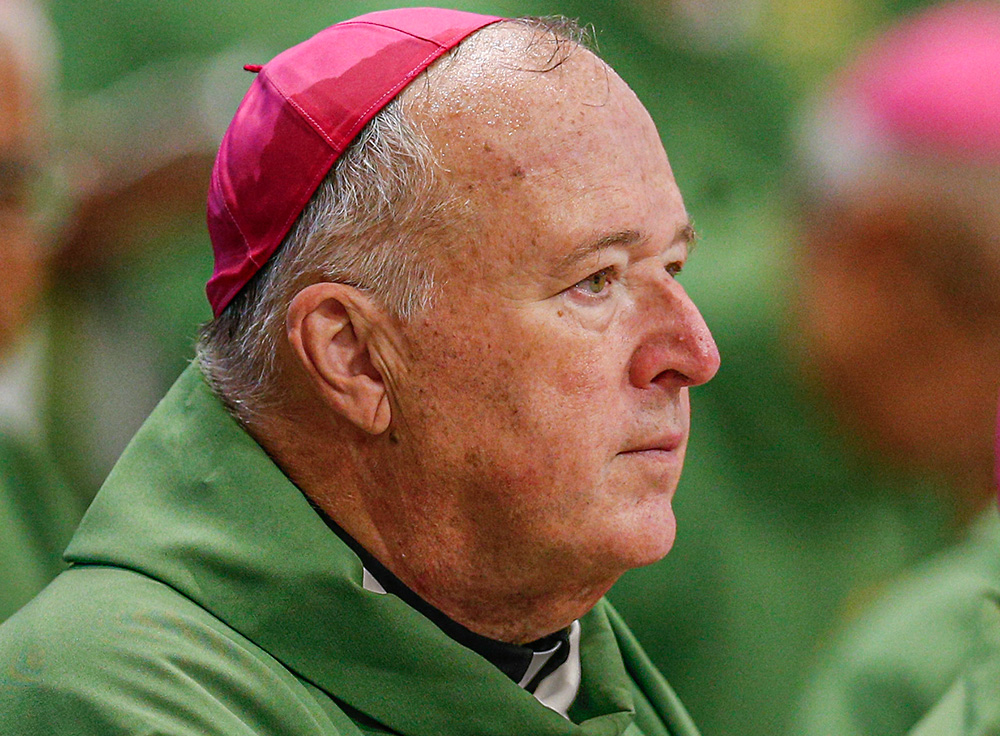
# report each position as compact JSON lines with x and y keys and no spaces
{"x":971,"y":707}
{"x":900,"y":308}
{"x":37,"y":513}
{"x":786,"y":527}
{"x":133,"y":251}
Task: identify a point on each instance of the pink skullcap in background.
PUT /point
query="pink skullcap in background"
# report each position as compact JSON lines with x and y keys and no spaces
{"x":301,"y":112}
{"x":934,"y":81}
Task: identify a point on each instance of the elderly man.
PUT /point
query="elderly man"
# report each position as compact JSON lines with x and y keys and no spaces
{"x":442,"y":407}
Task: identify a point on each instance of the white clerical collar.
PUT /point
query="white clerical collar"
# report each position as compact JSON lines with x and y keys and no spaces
{"x":558,"y":688}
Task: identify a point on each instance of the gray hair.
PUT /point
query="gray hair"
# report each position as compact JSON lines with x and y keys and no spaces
{"x":367,"y":225}
{"x":363,"y":227}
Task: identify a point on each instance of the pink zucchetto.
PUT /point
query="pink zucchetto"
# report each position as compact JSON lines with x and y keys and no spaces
{"x":302,"y":111}
{"x":934,"y":81}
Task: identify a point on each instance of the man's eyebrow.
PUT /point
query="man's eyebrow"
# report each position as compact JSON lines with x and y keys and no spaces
{"x":585,"y":250}
{"x":685,"y":234}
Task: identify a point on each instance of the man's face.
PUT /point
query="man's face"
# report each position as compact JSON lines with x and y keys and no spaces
{"x":542,"y":414}
{"x":20,"y":256}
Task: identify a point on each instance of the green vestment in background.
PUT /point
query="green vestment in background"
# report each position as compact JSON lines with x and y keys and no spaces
{"x":890,"y":668}
{"x":37,"y":518}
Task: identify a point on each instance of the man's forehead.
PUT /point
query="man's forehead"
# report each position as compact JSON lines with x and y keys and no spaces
{"x":502,"y":74}
{"x":531,"y":125}
{"x":552,"y":166}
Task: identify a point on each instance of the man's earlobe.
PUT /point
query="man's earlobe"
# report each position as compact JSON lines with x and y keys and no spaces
{"x":328,"y":326}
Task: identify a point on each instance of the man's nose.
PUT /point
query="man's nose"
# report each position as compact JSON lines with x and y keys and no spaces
{"x":678,"y":349}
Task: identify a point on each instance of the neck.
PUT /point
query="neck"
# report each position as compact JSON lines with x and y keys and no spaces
{"x":492,"y":594}
{"x":489,"y":585}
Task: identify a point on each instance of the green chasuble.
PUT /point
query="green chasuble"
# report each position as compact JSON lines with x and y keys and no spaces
{"x":971,"y":707}
{"x":890,"y":668}
{"x":207,"y":597}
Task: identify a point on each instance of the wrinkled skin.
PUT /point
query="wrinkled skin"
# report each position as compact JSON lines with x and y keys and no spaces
{"x":511,"y":450}
{"x":540,"y":411}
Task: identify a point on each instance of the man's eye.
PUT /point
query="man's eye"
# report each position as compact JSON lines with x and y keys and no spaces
{"x":675,"y":268}
{"x":596,"y":283}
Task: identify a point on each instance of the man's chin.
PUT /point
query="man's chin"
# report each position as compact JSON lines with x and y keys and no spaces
{"x":645,"y":541}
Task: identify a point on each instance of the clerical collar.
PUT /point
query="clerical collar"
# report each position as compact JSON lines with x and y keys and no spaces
{"x":525,"y":664}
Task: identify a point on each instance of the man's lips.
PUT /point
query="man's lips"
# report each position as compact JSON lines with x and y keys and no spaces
{"x":667,"y":443}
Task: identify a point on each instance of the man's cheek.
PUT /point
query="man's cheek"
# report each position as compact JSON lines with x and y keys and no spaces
{"x":584,"y":372}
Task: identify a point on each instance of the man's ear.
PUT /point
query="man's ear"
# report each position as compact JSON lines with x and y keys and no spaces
{"x":328,"y":326}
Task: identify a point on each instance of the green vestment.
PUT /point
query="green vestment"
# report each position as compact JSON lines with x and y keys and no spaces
{"x":207,"y":597}
{"x":971,"y":707}
{"x":891,"y":667}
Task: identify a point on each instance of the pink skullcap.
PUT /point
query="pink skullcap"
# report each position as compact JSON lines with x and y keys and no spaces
{"x":303,"y":109}
{"x":934,"y":81}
